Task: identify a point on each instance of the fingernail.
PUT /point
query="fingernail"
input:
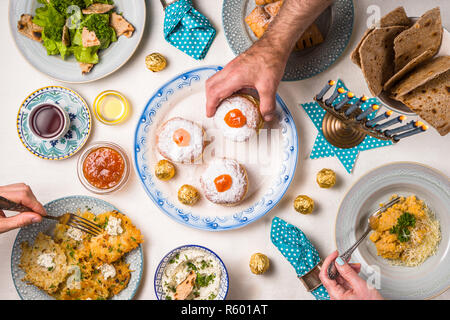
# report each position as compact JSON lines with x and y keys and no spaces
{"x":35,"y":220}
{"x":339,"y":261}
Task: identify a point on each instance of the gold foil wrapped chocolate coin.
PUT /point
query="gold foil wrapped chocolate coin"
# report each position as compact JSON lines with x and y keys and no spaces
{"x":304,"y":204}
{"x":155,"y":62}
{"x":259,"y":263}
{"x":326,"y":178}
{"x":188,"y":195}
{"x":164,"y":170}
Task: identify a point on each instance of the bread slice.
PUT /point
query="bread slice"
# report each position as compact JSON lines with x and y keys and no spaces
{"x":422,"y":75}
{"x":431,"y":101}
{"x":425,"y":34}
{"x":377,"y":54}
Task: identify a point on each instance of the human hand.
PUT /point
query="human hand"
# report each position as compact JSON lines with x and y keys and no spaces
{"x":260,"y":67}
{"x":20,"y":193}
{"x":348,"y":285}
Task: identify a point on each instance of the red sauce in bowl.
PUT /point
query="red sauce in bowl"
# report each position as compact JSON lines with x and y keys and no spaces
{"x":104,"y":168}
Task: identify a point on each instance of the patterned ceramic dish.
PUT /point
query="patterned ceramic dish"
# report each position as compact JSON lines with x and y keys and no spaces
{"x":402,"y":178}
{"x":56,"y":208}
{"x":224,"y":282}
{"x":161,"y":103}
{"x":335,"y":23}
{"x":111,"y":59}
{"x":73,"y":140}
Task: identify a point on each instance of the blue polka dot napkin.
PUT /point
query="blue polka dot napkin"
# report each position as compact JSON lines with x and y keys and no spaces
{"x":322,"y":148}
{"x":187,"y":29}
{"x":298,"y":250}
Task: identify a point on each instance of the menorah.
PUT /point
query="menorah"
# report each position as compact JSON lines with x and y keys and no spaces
{"x":345,"y":125}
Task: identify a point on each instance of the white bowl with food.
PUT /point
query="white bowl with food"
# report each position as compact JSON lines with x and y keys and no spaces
{"x":191,"y":272}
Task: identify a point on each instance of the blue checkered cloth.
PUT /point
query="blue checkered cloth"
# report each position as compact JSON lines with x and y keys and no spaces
{"x":187,"y":29}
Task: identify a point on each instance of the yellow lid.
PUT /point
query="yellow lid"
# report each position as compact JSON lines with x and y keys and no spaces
{"x":111,"y":107}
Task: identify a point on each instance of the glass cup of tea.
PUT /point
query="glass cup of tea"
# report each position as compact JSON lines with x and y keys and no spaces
{"x":48,"y":121}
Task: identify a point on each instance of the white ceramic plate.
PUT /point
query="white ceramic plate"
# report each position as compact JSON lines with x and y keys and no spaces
{"x":68,"y":70}
{"x":402,"y":178}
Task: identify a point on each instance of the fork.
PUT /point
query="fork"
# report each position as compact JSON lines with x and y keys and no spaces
{"x":68,"y":219}
{"x":332,"y":271}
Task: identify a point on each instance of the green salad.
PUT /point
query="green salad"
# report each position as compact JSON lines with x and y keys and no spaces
{"x":78,"y":27}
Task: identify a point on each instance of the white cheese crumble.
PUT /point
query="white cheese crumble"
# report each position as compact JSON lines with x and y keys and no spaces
{"x":75,"y":234}
{"x":108,"y":271}
{"x":113,"y":227}
{"x":46,"y":260}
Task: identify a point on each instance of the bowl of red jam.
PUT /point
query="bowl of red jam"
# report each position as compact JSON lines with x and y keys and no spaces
{"x":103,"y":167}
{"x":48,"y":121}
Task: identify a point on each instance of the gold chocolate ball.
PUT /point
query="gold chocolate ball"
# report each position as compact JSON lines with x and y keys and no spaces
{"x":188,"y":195}
{"x":259,"y":263}
{"x":164,"y":170}
{"x":326,"y":178}
{"x":304,"y":204}
{"x":155,"y":62}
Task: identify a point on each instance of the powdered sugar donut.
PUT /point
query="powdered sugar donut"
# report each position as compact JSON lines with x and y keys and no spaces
{"x":224,"y":182}
{"x":181,"y":140}
{"x":238,"y":117}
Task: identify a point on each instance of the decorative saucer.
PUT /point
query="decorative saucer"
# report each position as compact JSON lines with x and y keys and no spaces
{"x":79,"y":129}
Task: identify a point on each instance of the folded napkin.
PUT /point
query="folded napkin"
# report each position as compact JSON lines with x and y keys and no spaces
{"x":187,"y":29}
{"x":298,"y":250}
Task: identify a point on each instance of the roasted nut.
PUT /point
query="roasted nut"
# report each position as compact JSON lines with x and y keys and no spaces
{"x":164,"y":170}
{"x":304,"y":204}
{"x":188,"y":195}
{"x":155,"y":62}
{"x":259,"y":263}
{"x":326,"y":178}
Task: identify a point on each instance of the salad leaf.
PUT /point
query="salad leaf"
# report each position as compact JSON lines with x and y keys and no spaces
{"x":62,"y":5}
{"x":85,"y":55}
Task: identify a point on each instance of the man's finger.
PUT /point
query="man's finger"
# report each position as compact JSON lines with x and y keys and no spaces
{"x":218,"y":88}
{"x":19,"y":221}
{"x":267,"y":103}
{"x":356,"y":267}
{"x":348,"y":273}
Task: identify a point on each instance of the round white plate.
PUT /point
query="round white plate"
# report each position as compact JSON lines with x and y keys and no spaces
{"x":68,"y":70}
{"x":57,"y":208}
{"x":270,"y":161}
{"x":402,"y":178}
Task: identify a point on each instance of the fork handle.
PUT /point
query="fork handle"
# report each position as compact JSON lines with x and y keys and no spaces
{"x":332,"y":270}
{"x":6,"y":204}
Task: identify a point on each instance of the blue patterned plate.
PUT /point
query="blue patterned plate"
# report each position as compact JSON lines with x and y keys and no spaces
{"x":111,"y":59}
{"x":161,"y":103}
{"x":74,"y":139}
{"x":57,"y":208}
{"x":335,"y":23}
{"x":224,"y":281}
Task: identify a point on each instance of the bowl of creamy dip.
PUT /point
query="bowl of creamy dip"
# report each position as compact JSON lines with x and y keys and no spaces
{"x":191,"y":272}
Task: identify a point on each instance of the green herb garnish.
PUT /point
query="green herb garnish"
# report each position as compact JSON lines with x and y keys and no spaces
{"x":401,"y":229}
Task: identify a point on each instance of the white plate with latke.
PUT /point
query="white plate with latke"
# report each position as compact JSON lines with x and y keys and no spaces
{"x":110,"y":59}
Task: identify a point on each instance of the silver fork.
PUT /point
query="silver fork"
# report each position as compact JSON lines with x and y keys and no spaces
{"x":332,"y":271}
{"x":69,"y":219}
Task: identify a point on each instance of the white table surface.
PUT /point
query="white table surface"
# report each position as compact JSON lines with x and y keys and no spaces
{"x":54,"y":179}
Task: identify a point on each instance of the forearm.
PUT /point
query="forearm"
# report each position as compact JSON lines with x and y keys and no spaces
{"x":291,"y":22}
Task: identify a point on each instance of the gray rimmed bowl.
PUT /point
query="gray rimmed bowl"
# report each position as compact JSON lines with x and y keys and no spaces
{"x":403,"y":178}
